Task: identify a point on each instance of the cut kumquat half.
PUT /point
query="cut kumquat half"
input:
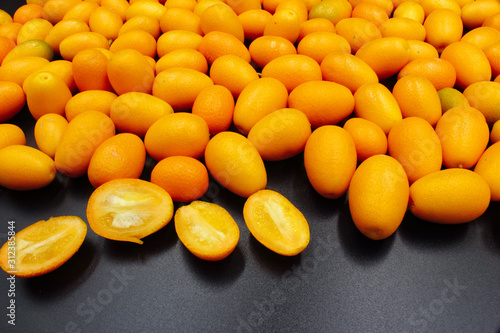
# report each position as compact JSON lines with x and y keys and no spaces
{"x":207,"y":230}
{"x":43,"y":246}
{"x":276,"y":223}
{"x":129,"y":209}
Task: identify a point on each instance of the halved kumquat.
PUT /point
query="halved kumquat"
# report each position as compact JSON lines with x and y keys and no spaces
{"x":43,"y":246}
{"x":129,"y":209}
{"x":276,"y":223}
{"x":207,"y":230}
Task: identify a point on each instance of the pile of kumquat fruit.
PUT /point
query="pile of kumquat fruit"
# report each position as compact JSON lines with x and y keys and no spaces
{"x":393,"y":103}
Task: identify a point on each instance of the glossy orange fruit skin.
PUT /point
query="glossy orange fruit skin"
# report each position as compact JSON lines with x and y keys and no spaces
{"x":449,"y":196}
{"x":61,"y":68}
{"x":183,"y":177}
{"x":146,"y":23}
{"x":106,"y":22}
{"x":378,"y":196}
{"x":417,"y":97}
{"x":476,"y":12}
{"x":90,"y":70}
{"x":333,"y":10}
{"x":464,"y":135}
{"x":485,"y":96}
{"x":97,"y":100}
{"x":10,"y":30}
{"x":266,"y":48}
{"x":177,"y":39}
{"x":30,"y":48}
{"x":235,"y":163}
{"x":292,"y":70}
{"x":6,"y":45}
{"x":177,"y":134}
{"x":443,"y":27}
{"x":64,"y":29}
{"x":17,"y":71}
{"x":415,"y":144}
{"x":24,"y":168}
{"x":318,"y":45}
{"x":314,"y":98}
{"x":386,"y":55}
{"x":284,"y":23}
{"x":419,"y":50}
{"x":179,"y":87}
{"x":439,"y":71}
{"x":215,"y":104}
{"x":11,"y":134}
{"x":460,"y":54}
{"x":27,"y":12}
{"x":232,"y":72}
{"x":149,"y":8}
{"x":136,"y":112}
{"x":298,"y":6}
{"x":48,"y":131}
{"x":347,"y":70}
{"x":281,"y":134}
{"x":80,"y":140}
{"x":357,"y":31}
{"x":129,"y":70}
{"x":79,"y":41}
{"x":120,"y":156}
{"x":217,"y":43}
{"x":47,"y":93}
{"x":403,"y":27}
{"x":139,"y":40}
{"x":254,"y":22}
{"x":240,"y":7}
{"x":54,"y":10}
{"x":220,"y":17}
{"x":370,"y":12}
{"x":368,"y":137}
{"x":330,"y":160}
{"x":188,"y":58}
{"x":12,"y":100}
{"x":258,"y":99}
{"x":487,"y":167}
{"x":176,"y":18}
{"x":81,"y":11}
{"x":409,"y":9}
{"x":34,"y":29}
{"x":119,"y":6}
{"x":375,"y":102}
{"x":313,"y":25}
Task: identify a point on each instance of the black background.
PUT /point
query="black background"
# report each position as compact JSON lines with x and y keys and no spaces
{"x":424,"y":278}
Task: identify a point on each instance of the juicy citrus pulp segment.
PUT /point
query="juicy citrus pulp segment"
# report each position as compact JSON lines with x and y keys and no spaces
{"x":276,"y":223}
{"x":43,"y":246}
{"x":129,"y":209}
{"x":207,"y":230}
